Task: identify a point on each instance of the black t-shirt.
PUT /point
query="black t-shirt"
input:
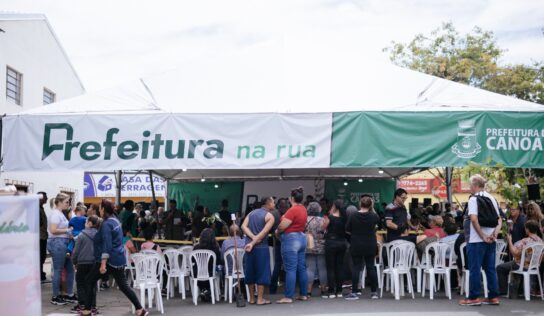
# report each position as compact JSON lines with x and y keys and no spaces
{"x":410,"y":238}
{"x":277,"y":217}
{"x":518,"y":229}
{"x":362,"y":227}
{"x":399,"y":215}
{"x":225,"y":216}
{"x":336,"y":229}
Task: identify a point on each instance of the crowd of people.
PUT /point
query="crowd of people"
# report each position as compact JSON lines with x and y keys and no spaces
{"x":315,"y":242}
{"x":89,"y":241}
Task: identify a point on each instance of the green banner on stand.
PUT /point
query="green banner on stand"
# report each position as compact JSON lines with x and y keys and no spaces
{"x":190,"y":194}
{"x":381,"y":190}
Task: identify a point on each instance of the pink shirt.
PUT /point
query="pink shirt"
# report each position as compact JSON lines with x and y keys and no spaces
{"x":431,"y":232}
{"x":148,"y":245}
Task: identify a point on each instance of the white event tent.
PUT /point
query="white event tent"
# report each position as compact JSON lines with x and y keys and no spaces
{"x":231,"y":104}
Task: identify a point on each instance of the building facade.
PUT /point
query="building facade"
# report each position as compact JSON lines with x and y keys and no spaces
{"x":35,"y":71}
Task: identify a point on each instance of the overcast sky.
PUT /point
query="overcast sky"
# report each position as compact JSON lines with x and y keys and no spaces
{"x":113,"y":41}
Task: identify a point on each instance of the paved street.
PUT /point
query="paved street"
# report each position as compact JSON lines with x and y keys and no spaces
{"x":112,"y":302}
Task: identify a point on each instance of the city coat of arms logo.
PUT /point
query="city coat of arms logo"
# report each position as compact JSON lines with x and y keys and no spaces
{"x":466,"y":146}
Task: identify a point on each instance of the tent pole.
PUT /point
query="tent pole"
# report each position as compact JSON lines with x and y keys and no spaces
{"x":152,"y":186}
{"x":118,"y":177}
{"x":449,"y":172}
{"x":1,"y":142}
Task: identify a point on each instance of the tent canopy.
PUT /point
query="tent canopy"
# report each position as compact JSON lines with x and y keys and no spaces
{"x":263,"y":81}
{"x":283,"y":174}
{"x":265,"y":113}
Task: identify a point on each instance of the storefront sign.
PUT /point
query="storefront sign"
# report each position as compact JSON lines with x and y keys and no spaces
{"x":103,"y":185}
{"x":415,"y":185}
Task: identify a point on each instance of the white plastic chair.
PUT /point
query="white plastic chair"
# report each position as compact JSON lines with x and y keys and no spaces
{"x":201,"y":259}
{"x":400,"y":257}
{"x":149,"y":269}
{"x":130,"y":268}
{"x":385,"y":250}
{"x":501,"y":248}
{"x":378,"y":263}
{"x":465,"y":275}
{"x":230,"y":271}
{"x":175,"y":270}
{"x":149,"y":252}
{"x":438,"y":264}
{"x":453,"y":262}
{"x":453,"y":254}
{"x":419,"y":266}
{"x":533,"y":269}
{"x":186,"y":251}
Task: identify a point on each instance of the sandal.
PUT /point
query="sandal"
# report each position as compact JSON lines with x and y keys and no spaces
{"x":266,"y":302}
{"x":284,"y":300}
{"x":302,"y":298}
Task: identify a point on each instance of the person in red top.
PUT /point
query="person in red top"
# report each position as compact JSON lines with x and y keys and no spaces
{"x":436,"y":229}
{"x":293,"y":247}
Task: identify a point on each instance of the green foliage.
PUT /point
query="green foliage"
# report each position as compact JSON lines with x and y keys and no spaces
{"x":470,"y":59}
{"x":521,"y":81}
{"x":507,"y":182}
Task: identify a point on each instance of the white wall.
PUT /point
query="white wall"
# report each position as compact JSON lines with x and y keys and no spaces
{"x":29,"y":46}
{"x":49,"y":182}
{"x":279,"y":189}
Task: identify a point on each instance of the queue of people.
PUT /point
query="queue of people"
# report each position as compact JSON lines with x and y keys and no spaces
{"x":98,"y":250}
{"x":312,"y":241}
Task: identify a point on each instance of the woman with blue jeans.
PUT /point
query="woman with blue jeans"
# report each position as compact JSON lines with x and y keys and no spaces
{"x":59,"y":235}
{"x":293,"y":247}
{"x":109,"y":257}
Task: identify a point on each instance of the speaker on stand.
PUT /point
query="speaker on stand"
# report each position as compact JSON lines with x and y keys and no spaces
{"x":414,"y":204}
{"x":533,"y":192}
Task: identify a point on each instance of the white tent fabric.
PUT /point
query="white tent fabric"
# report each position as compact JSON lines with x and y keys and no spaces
{"x":265,"y":81}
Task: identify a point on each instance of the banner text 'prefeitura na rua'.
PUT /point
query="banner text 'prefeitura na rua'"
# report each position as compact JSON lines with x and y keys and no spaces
{"x":167,"y":141}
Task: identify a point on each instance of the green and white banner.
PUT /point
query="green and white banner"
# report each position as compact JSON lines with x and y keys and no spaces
{"x":271,"y":141}
{"x":167,"y":141}
{"x":427,"y":139}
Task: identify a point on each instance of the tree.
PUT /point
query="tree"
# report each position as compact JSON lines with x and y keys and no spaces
{"x":520,"y":81}
{"x":471,"y":59}
{"x":510,"y":183}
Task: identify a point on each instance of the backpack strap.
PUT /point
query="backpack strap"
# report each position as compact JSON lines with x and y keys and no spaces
{"x":465,"y":209}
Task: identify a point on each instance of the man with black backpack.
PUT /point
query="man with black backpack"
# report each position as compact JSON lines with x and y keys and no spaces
{"x":484,"y":227}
